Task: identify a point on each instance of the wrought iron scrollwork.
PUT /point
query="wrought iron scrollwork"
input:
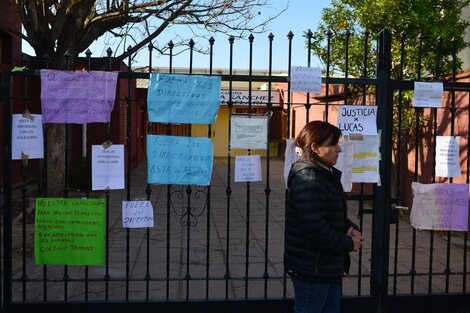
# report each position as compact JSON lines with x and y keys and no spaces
{"x":188,"y":203}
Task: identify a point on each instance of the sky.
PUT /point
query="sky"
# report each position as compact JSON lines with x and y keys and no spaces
{"x":300,"y":16}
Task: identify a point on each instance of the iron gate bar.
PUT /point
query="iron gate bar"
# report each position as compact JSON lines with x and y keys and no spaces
{"x":448,"y":85}
{"x":309,"y":55}
{"x":433,"y":178}
{"x":399,"y":160}
{"x":248,"y":151}
{"x":382,"y":205}
{"x":7,"y":189}
{"x":395,"y":83}
{"x":447,"y":270}
{"x":402,"y":304}
{"x":208,"y":214}
{"x":267,"y":189}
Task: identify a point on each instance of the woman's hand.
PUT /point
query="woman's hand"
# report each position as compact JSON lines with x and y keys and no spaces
{"x":356,"y":237}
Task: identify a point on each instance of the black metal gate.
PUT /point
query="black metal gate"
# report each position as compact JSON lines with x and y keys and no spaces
{"x":219,"y":248}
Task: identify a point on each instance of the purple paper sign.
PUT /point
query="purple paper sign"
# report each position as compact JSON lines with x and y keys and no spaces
{"x":77,"y":97}
{"x":440,"y":206}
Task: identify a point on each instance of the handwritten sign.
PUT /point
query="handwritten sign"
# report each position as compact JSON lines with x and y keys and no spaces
{"x":77,"y":97}
{"x":290,"y":157}
{"x":440,"y":206}
{"x":137,"y":214}
{"x":358,"y":119}
{"x":27,"y":137}
{"x":176,"y":98}
{"x":447,"y":156}
{"x":365,"y":166}
{"x":247,"y":168}
{"x":345,"y":164}
{"x":249,"y":132}
{"x":107,"y":167}
{"x":428,"y":94}
{"x":179,"y":160}
{"x":69,"y":231}
{"x":305,"y":79}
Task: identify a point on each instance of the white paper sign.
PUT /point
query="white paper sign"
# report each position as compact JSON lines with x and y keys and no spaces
{"x":249,"y":132}
{"x":247,"y":168}
{"x":365,"y":166}
{"x":137,"y":214}
{"x":447,"y":156}
{"x":428,"y":95}
{"x":107,"y":167}
{"x":440,"y":206}
{"x":27,"y":137}
{"x":290,"y":158}
{"x":345,"y":164}
{"x":357,"y":119}
{"x":305,"y":79}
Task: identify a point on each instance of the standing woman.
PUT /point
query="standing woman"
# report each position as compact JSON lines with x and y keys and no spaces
{"x":318,"y":234}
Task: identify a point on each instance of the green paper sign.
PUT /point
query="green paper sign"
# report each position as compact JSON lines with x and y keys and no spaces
{"x":69,"y":231}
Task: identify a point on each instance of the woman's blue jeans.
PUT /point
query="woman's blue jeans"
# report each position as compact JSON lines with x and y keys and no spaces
{"x":316,"y":297}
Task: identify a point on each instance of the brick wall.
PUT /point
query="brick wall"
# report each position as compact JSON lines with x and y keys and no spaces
{"x":10,"y":23}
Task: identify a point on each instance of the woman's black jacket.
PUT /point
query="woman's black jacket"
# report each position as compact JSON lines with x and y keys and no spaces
{"x":316,"y":244}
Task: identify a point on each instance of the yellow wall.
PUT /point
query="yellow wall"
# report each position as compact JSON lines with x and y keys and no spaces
{"x":220,"y":137}
{"x":219,"y":132}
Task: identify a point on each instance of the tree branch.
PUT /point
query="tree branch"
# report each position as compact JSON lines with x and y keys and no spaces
{"x":56,"y":27}
{"x":155,"y":34}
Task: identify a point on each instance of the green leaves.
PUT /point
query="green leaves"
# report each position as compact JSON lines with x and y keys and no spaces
{"x":417,"y":23}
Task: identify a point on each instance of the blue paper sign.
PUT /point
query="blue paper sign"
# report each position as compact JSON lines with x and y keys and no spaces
{"x":177,"y":98}
{"x":179,"y":160}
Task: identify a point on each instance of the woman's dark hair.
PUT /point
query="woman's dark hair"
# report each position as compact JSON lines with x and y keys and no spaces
{"x":317,"y":132}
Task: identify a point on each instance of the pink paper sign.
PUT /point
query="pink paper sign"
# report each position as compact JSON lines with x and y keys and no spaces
{"x":77,"y":97}
{"x":440,"y":206}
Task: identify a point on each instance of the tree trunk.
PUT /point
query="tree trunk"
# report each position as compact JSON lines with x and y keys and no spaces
{"x":55,"y":159}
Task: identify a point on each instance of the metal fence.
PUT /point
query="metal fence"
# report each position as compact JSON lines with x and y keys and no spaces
{"x":219,"y":248}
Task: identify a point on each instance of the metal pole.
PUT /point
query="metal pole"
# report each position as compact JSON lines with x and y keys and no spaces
{"x":382,"y":205}
{"x":7,"y":196}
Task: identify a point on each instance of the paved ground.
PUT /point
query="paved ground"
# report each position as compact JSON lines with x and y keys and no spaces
{"x":216,"y":235}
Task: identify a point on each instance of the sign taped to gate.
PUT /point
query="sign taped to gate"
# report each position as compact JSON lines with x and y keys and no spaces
{"x":177,"y":98}
{"x":428,"y":94}
{"x":305,"y":79}
{"x":365,"y":159}
{"x":179,"y":160}
{"x":77,"y":97}
{"x":357,"y":119}
{"x":345,"y":163}
{"x":137,"y":214}
{"x":249,"y":132}
{"x":247,"y":168}
{"x":448,"y":156}
{"x":440,"y":206}
{"x":107,"y":167}
{"x":290,"y":157}
{"x":27,"y":137}
{"x":69,"y":231}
